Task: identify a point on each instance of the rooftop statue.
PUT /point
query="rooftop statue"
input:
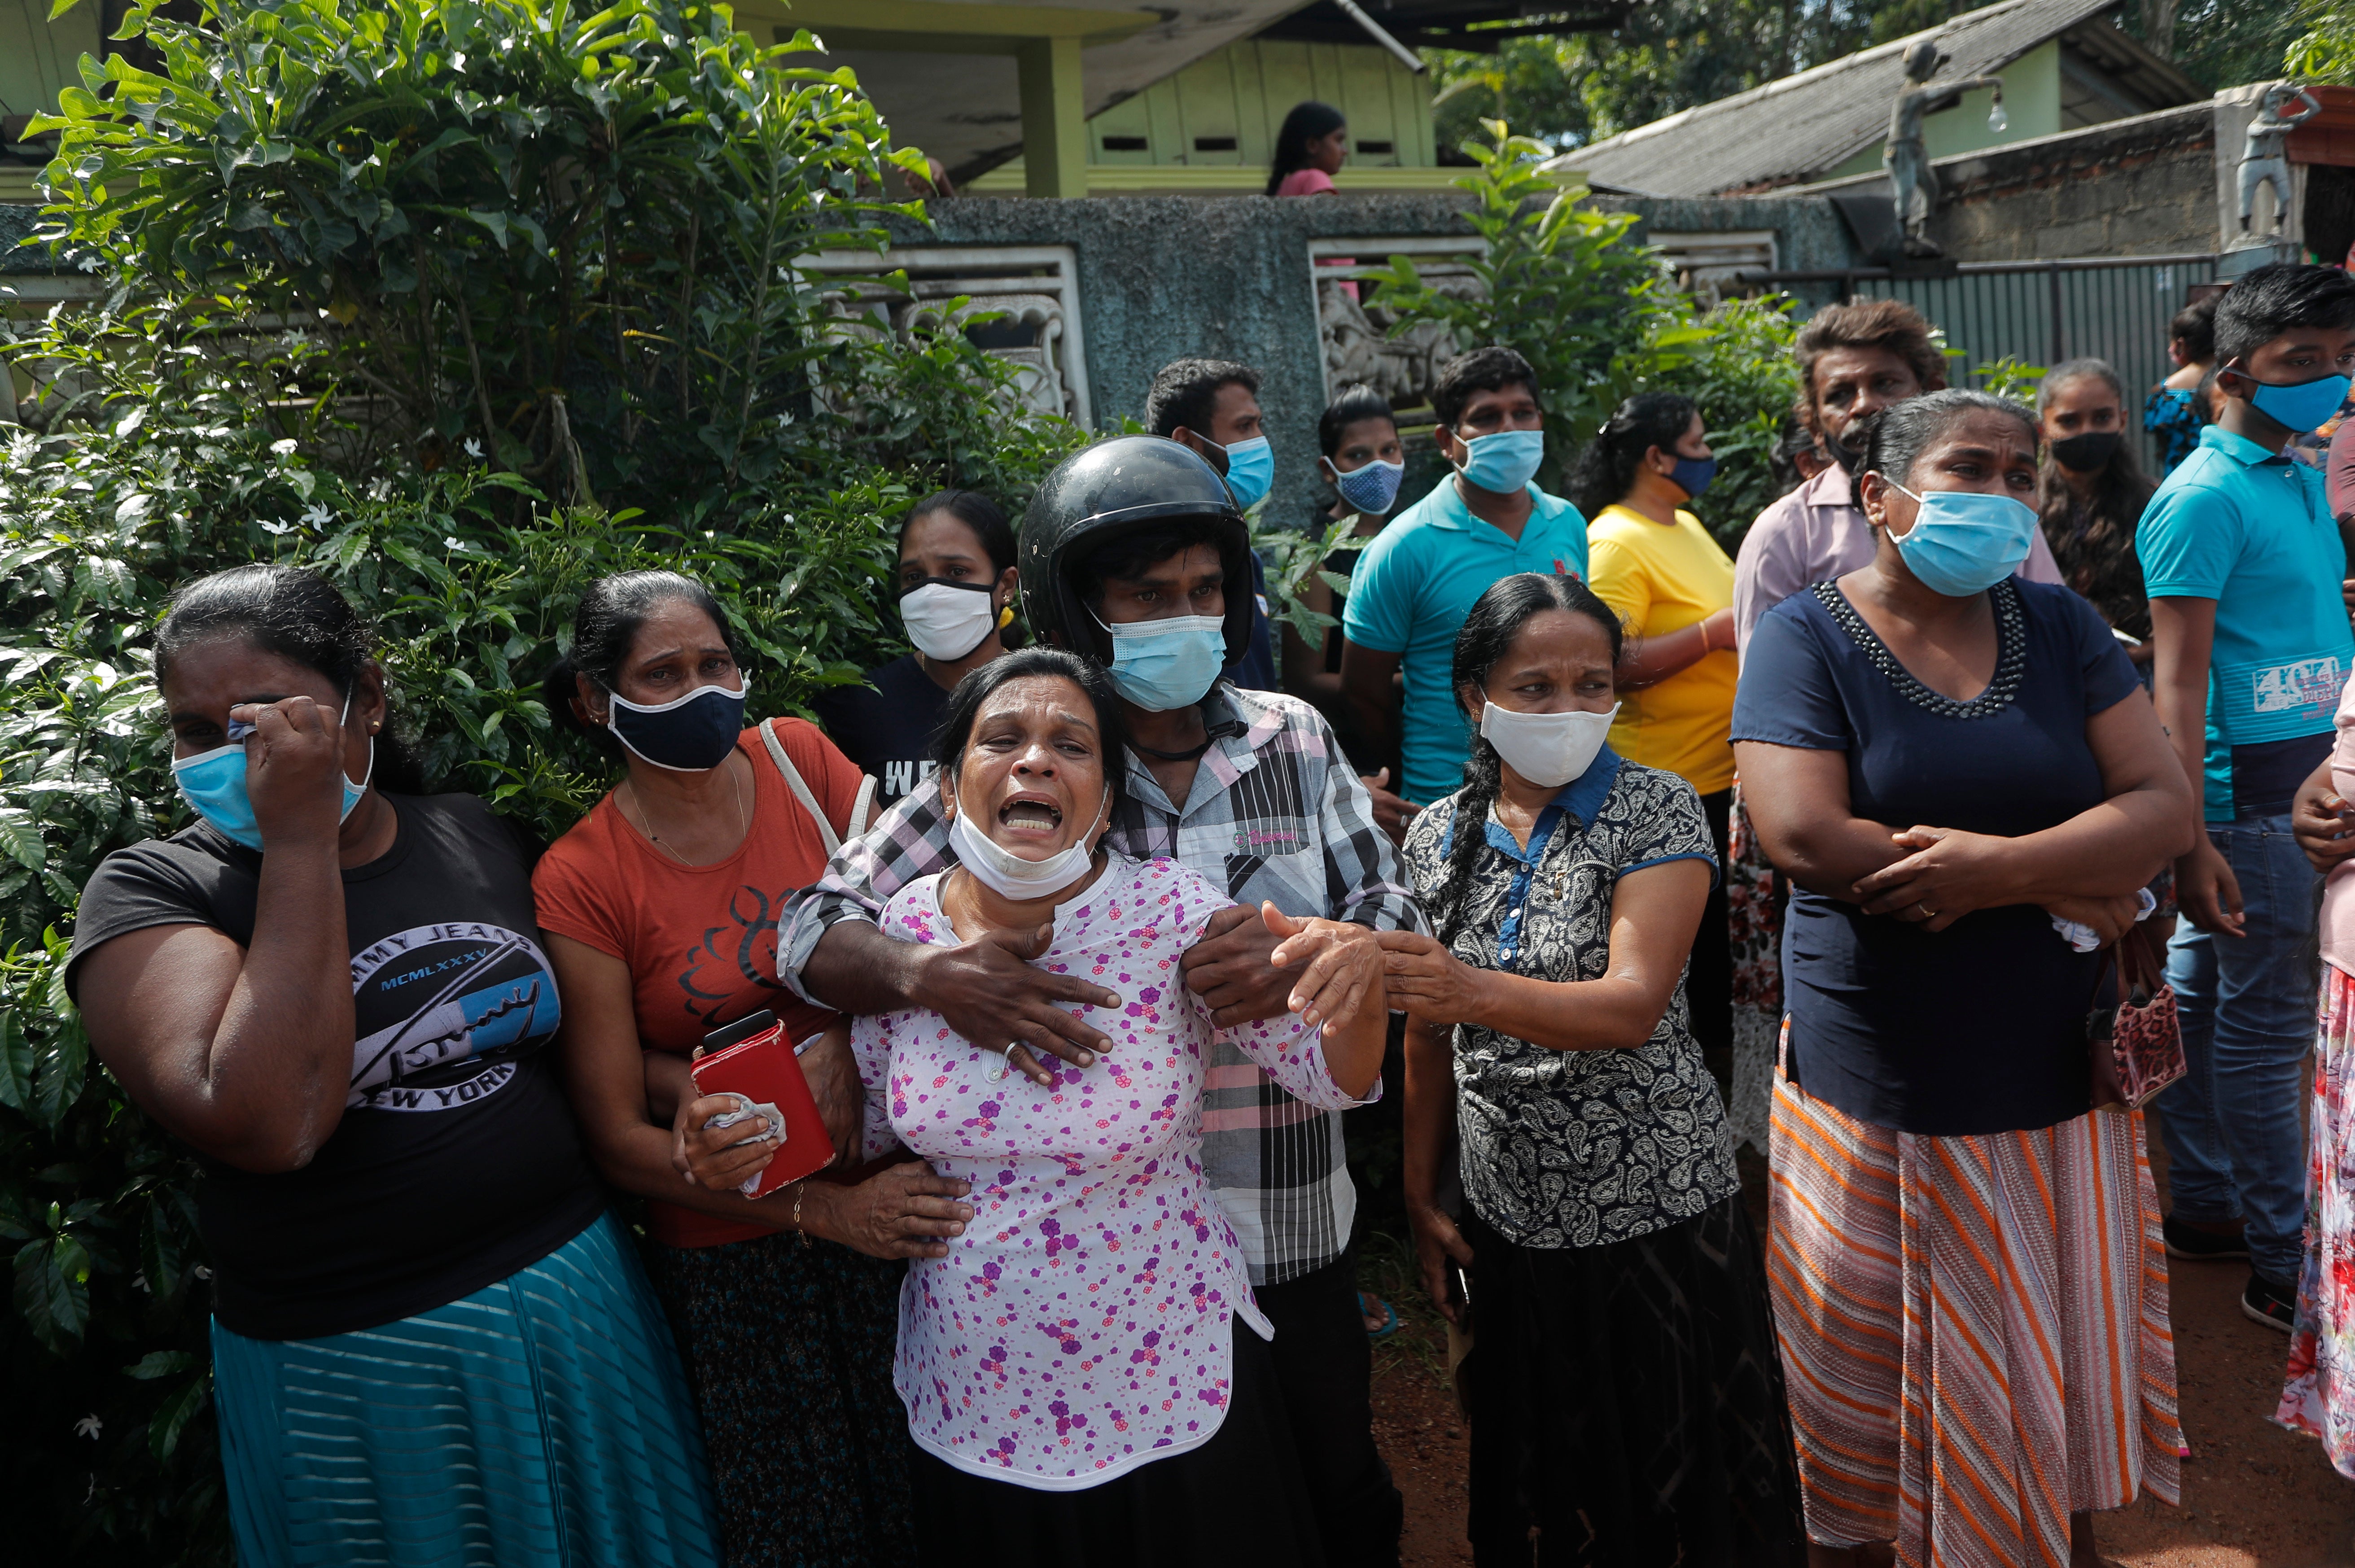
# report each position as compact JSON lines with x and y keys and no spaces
{"x":2261,"y":159}
{"x":1911,"y":182}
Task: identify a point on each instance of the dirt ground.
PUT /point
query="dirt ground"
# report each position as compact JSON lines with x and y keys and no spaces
{"x":2253,"y":1495}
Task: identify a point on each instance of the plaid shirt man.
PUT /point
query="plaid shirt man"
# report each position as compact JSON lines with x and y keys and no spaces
{"x":1275,"y":813}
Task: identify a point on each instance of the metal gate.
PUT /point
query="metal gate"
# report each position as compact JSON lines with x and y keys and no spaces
{"x":2042,"y":312}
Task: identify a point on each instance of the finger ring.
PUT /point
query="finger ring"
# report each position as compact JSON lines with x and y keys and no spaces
{"x":1927,"y":913}
{"x":1006,"y":1064}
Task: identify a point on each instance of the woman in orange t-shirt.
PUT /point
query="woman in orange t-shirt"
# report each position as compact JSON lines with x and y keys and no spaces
{"x":660,"y":911}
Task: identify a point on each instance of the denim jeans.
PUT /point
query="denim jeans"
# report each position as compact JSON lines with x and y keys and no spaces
{"x":2235,"y":1146}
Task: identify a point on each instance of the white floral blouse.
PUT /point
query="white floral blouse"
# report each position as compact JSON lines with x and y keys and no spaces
{"x":1563,"y":1149}
{"x":1081,"y":1324}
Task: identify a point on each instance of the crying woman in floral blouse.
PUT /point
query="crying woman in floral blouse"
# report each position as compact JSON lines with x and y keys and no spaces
{"x":1085,"y":1372}
{"x":1625,"y":1398}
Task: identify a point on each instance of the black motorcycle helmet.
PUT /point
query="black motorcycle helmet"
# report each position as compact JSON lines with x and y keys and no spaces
{"x":1123,"y":485}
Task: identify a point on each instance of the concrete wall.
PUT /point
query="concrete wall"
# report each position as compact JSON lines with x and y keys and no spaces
{"x":1808,"y":234}
{"x":2137,"y":186}
{"x":1165,"y":277}
{"x":2140,"y":186}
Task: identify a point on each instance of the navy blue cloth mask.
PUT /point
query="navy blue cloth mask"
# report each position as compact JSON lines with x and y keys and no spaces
{"x":692,"y":734}
{"x":1692,"y":475}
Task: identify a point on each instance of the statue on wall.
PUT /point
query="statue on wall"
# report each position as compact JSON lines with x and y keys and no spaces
{"x":2261,"y":159}
{"x":1905,"y":155}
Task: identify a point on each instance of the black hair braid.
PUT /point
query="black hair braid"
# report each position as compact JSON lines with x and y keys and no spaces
{"x":1468,"y":834}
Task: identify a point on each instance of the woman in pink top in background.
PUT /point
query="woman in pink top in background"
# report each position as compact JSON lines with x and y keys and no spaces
{"x":2318,"y":1397}
{"x":1078,"y":1384}
{"x":1309,"y":150}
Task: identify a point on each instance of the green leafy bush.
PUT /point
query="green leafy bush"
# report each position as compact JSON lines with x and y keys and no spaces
{"x":1599,"y":320}
{"x":305,"y":214}
{"x":562,"y":239}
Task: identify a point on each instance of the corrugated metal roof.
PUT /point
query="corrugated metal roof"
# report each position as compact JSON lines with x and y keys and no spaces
{"x":1804,"y":125}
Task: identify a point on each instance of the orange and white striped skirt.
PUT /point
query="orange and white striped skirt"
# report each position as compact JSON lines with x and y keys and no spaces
{"x":1974,"y":1331}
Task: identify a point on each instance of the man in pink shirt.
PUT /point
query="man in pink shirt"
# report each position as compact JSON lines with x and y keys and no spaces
{"x":1853,"y":359}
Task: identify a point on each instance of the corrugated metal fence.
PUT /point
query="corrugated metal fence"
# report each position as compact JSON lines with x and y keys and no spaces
{"x":2040,"y":312}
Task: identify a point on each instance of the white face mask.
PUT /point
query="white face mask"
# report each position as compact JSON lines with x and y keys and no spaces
{"x":948,"y":620}
{"x":1008,"y":874}
{"x":1547,"y":749}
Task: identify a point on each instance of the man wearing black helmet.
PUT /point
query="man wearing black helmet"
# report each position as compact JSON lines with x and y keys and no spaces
{"x":1134,"y":553}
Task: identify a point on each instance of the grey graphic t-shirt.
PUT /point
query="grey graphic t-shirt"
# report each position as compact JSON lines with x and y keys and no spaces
{"x":456,"y":1162}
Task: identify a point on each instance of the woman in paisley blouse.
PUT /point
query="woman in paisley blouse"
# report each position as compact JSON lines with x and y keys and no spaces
{"x":1625,"y":1401}
{"x":1085,"y":1372}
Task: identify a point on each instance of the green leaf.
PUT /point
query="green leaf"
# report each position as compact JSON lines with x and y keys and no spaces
{"x":172,"y":1418}
{"x":15,"y":1063}
{"x":52,"y":1291}
{"x":160,"y":1363}
{"x":57,"y":1076}
{"x":20,"y":838}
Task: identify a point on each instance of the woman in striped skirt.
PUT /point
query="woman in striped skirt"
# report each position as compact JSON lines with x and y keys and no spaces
{"x":1965,"y":1263}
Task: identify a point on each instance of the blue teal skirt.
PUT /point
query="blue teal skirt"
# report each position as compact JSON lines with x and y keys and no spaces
{"x":540,"y":1421}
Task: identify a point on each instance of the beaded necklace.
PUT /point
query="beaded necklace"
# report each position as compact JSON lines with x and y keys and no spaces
{"x":2010,"y":664}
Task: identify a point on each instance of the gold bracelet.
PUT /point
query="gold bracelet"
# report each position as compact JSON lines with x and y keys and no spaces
{"x":801,"y":1191}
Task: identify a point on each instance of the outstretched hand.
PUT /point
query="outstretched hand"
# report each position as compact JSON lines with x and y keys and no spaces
{"x":1428,"y":981}
{"x":1233,"y":969}
{"x":1345,"y":967}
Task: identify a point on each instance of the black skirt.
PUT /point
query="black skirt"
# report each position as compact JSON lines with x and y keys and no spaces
{"x":789,"y":1347}
{"x":1626,"y":1402}
{"x":1236,"y":1501}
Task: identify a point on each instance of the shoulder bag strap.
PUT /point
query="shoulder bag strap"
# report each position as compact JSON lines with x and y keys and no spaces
{"x":802,"y":790}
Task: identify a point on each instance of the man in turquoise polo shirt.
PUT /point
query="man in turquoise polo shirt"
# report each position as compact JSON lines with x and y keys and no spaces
{"x":1414,"y":584}
{"x":2244,"y":564}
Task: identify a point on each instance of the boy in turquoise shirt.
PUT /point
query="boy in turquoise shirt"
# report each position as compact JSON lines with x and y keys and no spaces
{"x":1414,"y":584}
{"x":2243,"y":563}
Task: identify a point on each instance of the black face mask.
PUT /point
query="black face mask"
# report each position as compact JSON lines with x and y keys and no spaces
{"x":692,"y":734}
{"x":2088,"y":453}
{"x":1847,"y":456}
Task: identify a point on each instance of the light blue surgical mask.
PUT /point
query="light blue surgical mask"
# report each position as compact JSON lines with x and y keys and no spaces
{"x":1965,"y":541}
{"x":1250,"y":469}
{"x":1163,"y":666}
{"x":1371,"y":487}
{"x":2300,"y":405}
{"x":1503,"y":460}
{"x":213,"y":784}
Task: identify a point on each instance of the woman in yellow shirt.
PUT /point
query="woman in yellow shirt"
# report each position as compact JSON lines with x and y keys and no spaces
{"x":1651,"y":561}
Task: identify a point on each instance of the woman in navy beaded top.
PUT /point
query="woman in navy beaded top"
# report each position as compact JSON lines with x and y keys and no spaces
{"x":1940,"y":774}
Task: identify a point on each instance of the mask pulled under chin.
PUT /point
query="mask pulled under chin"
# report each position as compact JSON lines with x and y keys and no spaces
{"x":1009,"y":875}
{"x":692,"y":734}
{"x":1964,"y":542}
{"x":1547,"y":749}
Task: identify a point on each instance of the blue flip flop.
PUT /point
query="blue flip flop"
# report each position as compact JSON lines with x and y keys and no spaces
{"x":1390,"y":1316}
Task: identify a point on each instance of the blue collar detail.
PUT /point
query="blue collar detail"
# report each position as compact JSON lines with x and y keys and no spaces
{"x":1582,"y":798}
{"x":2240,"y":449}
